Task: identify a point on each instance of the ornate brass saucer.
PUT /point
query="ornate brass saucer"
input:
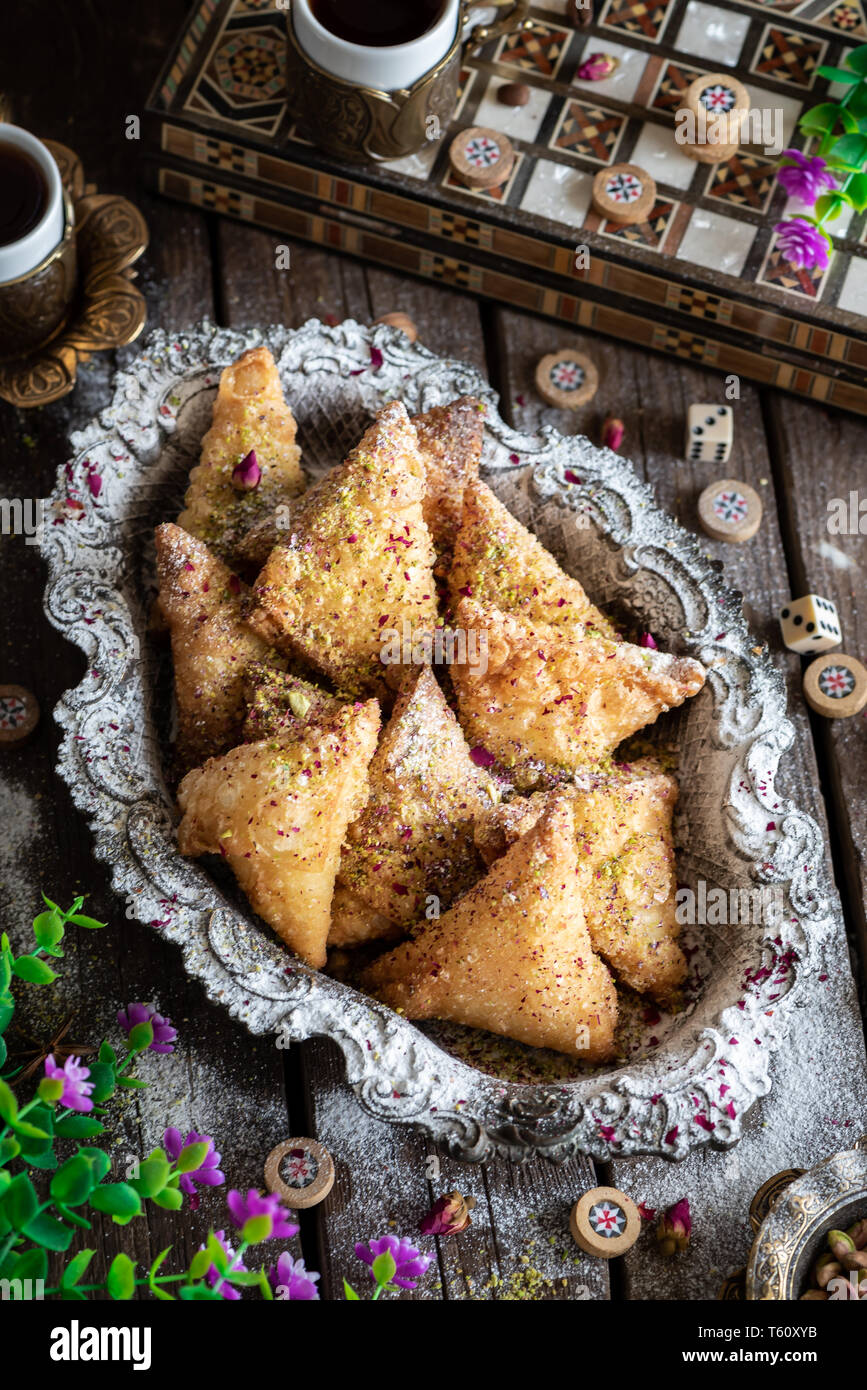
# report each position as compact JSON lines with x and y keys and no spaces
{"x":108,"y":311}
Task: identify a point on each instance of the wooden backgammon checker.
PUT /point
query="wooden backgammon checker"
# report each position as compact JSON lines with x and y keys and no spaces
{"x":699,"y":278}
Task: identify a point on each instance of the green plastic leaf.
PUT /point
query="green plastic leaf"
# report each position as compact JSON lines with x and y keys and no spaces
{"x":107,"y":1052}
{"x":191,"y":1157}
{"x":90,"y":923}
{"x":857,"y":191}
{"x":7,"y":1009}
{"x":830,"y":205}
{"x":118,"y":1199}
{"x":78,"y":1127}
{"x":32,"y":1264}
{"x":74,"y":1216}
{"x":48,"y":930}
{"x":198,"y":1293}
{"x":5,"y":970}
{"x":131,"y":1083}
{"x":245,"y":1277}
{"x":824,"y":117}
{"x":103,"y":1081}
{"x":50,"y":1089}
{"x":8,"y":1103}
{"x":838,"y":75}
{"x":20,"y":1202}
{"x":76,"y":1268}
{"x":256,"y":1229}
{"x":46,"y":1230}
{"x":384,"y":1268}
{"x":73,"y":1182}
{"x":121,"y":1278}
{"x":200,"y":1265}
{"x":9,"y":1149}
{"x":152,"y":1177}
{"x":349,"y":1293}
{"x":170,"y":1199}
{"x":33,"y":970}
{"x":29,"y":1131}
{"x":98,"y":1160}
{"x":217,"y":1255}
{"x":852,"y":149}
{"x":141,"y":1036}
{"x":45,"y":1159}
{"x":857,"y":59}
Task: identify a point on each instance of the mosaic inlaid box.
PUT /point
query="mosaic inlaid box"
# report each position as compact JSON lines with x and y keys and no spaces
{"x":700,"y":279}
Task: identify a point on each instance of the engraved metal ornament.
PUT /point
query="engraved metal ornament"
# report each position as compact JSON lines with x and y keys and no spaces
{"x":712,"y":1061}
{"x":830,"y":1196}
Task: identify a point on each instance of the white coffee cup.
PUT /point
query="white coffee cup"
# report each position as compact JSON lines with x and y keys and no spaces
{"x":385,"y":69}
{"x":22,"y":256}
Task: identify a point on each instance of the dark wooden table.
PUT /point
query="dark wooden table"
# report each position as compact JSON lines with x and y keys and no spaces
{"x":75,"y":70}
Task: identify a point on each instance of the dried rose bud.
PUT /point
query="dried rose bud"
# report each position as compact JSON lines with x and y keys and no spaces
{"x":597,"y":66}
{"x":247,"y":474}
{"x":612,"y":432}
{"x":674,"y":1228}
{"x":448,"y":1215}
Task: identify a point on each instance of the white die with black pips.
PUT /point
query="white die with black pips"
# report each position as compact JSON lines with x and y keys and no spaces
{"x":810,"y":624}
{"x":709,"y":433}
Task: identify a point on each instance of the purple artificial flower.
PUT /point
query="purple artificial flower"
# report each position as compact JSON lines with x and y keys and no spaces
{"x":262,"y":1204}
{"x":411,"y":1263}
{"x":213,"y":1276}
{"x":805,"y":176}
{"x":208,"y":1172}
{"x":76,"y":1087}
{"x":164,"y":1033}
{"x":802,"y":244}
{"x":290,"y":1280}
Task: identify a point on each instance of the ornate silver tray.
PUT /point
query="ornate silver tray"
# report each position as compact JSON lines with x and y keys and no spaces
{"x":685,"y":1080}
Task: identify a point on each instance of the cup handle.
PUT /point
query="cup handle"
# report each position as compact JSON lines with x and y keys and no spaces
{"x":516,"y":19}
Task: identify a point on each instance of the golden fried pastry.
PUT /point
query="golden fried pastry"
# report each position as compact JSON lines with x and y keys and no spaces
{"x":200,"y":599}
{"x":249,"y":414}
{"x":513,"y":955}
{"x":450,"y":443}
{"x":356,"y":564}
{"x":546,"y":703}
{"x":498,"y":562}
{"x":414,"y":837}
{"x":277,"y":811}
{"x":278,"y":702}
{"x":626,"y":868}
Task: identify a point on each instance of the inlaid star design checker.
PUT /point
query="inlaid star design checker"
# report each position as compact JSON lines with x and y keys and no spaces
{"x":567,"y":376}
{"x":607,"y":1219}
{"x":718,"y":98}
{"x":13,"y":712}
{"x":837,"y":682}
{"x":482,"y":152}
{"x":730,"y":506}
{"x":299,"y":1168}
{"x":623,"y":188}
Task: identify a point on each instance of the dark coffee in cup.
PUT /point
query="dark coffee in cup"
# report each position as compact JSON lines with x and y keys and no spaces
{"x":23,"y":194}
{"x":377,"y":23}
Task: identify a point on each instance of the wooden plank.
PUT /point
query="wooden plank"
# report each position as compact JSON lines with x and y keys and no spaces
{"x":818,"y":457}
{"x":802,"y":1119}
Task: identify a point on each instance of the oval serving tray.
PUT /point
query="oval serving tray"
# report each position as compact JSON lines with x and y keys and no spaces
{"x":685,"y":1080}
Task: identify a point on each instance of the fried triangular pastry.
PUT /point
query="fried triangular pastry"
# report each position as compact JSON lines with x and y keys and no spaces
{"x":626,"y":866}
{"x":277,"y":812}
{"x":546,"y":704}
{"x":250,"y":413}
{"x":200,"y":599}
{"x":357,"y":563}
{"x":412,"y":847}
{"x":279,"y":702}
{"x":450,"y":442}
{"x":513,"y":955}
{"x":498,"y":562}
